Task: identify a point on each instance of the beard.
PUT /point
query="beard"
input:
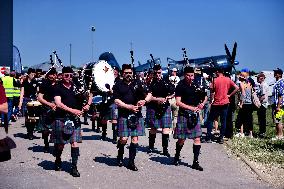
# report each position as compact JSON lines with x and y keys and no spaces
{"x":128,"y":78}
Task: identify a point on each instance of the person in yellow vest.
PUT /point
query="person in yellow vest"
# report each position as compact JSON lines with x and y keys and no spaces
{"x":8,"y":84}
{"x":16,"y":96}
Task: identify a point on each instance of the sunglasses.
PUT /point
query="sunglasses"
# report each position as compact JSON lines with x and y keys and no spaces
{"x":127,"y":72}
{"x":68,"y":75}
{"x":157,"y":72}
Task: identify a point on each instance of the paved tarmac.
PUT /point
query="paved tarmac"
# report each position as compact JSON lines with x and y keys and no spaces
{"x":31,"y":168}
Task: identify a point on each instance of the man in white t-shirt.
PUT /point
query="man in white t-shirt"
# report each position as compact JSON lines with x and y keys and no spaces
{"x":262,"y":93}
{"x":174,"y":79}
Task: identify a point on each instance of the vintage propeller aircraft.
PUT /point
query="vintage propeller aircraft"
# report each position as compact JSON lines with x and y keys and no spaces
{"x":206,"y":65}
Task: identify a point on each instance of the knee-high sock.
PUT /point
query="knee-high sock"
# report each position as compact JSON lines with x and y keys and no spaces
{"x":45,"y":137}
{"x":152,"y":138}
{"x":132,"y":151}
{"x":165,"y":140}
{"x":178,"y":150}
{"x":120,"y":147}
{"x":57,"y":152}
{"x":196,"y":151}
{"x":114,"y":130}
{"x":104,"y":129}
{"x":75,"y":154}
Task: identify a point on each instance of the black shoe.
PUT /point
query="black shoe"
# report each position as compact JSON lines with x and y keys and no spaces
{"x":98,"y":130}
{"x":57,"y":166}
{"x":196,"y":166}
{"x":13,"y":118}
{"x":103,"y":137}
{"x":74,"y":172}
{"x":261,"y":135}
{"x":119,"y":162}
{"x":114,"y":141}
{"x":221,"y":141}
{"x":46,"y":149}
{"x":176,"y":162}
{"x":166,"y":152}
{"x":86,"y":123}
{"x":30,"y":136}
{"x":150,"y":150}
{"x":132,"y":166}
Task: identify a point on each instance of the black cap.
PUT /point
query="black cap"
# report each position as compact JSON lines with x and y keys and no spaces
{"x":67,"y":69}
{"x":126,"y":66}
{"x":31,"y":70}
{"x":51,"y":71}
{"x":115,"y":68}
{"x":38,"y":70}
{"x":157,"y":67}
{"x":188,"y":69}
{"x":278,"y":71}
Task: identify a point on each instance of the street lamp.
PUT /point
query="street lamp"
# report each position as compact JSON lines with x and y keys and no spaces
{"x":93,"y":29}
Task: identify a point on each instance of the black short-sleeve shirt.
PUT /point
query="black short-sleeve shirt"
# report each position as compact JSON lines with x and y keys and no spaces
{"x":188,"y":93}
{"x":129,"y":94}
{"x":47,"y":89}
{"x":160,"y":88}
{"x":68,"y":98}
{"x":30,"y":88}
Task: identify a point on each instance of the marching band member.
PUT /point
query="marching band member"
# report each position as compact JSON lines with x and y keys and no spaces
{"x":188,"y":126}
{"x":46,"y":98}
{"x":114,"y":109}
{"x":67,"y":125}
{"x":108,"y":110}
{"x":28,"y":92}
{"x":159,"y":110}
{"x":130,"y":122}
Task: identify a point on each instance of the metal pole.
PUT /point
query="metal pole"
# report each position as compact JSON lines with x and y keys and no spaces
{"x":93,"y":29}
{"x":70,"y":47}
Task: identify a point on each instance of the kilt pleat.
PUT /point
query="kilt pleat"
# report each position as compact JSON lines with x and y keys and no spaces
{"x":114,"y":112}
{"x":183,"y":132}
{"x":164,"y":122}
{"x":58,"y":136}
{"x":124,"y":131}
{"x":42,"y":125}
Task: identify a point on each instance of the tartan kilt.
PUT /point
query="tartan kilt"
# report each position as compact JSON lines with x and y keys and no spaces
{"x":124,"y":131}
{"x":42,"y":125}
{"x":114,"y":112}
{"x":58,"y":136}
{"x":164,"y":122}
{"x":183,"y":132}
{"x":106,"y":112}
{"x":24,"y":106}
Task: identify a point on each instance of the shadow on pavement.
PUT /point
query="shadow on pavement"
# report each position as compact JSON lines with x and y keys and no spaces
{"x":49,"y":165}
{"x":38,"y":148}
{"x":96,"y":137}
{"x":106,"y":160}
{"x":20,"y":135}
{"x":142,"y":148}
{"x":87,"y":130}
{"x":163,"y":160}
{"x":24,"y":136}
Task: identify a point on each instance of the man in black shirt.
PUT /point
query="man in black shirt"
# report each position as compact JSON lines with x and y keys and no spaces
{"x":129,"y":97}
{"x":190,"y":103}
{"x":46,"y":98}
{"x":108,"y":110}
{"x":159,"y":110}
{"x":28,"y":93}
{"x":67,"y":125}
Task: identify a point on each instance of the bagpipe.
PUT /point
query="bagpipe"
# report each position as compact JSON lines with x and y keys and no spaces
{"x":199,"y":82}
{"x":161,"y":109}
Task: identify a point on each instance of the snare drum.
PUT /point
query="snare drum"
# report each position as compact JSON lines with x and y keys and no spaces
{"x":34,"y":109}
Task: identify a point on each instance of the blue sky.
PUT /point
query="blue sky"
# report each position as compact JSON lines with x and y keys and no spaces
{"x":160,"y":27}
